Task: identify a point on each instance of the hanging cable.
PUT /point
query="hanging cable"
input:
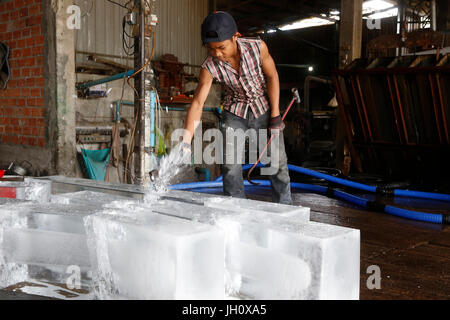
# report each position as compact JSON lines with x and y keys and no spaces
{"x":137,"y":95}
{"x":119,"y":4}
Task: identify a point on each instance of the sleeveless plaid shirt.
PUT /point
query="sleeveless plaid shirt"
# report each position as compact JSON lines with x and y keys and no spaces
{"x":244,"y":89}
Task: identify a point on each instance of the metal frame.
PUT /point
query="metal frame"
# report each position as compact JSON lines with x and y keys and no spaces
{"x":407,"y":113}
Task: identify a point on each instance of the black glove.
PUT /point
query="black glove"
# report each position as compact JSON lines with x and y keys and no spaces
{"x":276,"y":125}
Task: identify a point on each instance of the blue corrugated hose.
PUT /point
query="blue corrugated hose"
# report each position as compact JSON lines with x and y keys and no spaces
{"x":371,"y":205}
{"x":360,"y":186}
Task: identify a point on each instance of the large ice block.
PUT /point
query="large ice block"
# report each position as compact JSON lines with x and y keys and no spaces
{"x":87,"y":197}
{"x":294,"y":260}
{"x":152,"y":256}
{"x":40,"y":241}
{"x":269,"y":256}
{"x":260,"y":266}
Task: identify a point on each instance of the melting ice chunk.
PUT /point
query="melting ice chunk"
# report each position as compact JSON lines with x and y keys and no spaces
{"x":41,"y":241}
{"x":151,"y":256}
{"x":295,"y":260}
{"x":86,"y":197}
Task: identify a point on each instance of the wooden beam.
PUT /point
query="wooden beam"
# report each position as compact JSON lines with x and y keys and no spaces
{"x":350,"y":38}
{"x":239,"y":4}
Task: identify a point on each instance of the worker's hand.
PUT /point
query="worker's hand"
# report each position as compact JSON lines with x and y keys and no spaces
{"x":276,"y":125}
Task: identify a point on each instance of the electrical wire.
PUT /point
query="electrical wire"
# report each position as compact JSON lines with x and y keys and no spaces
{"x":120,"y":5}
{"x":140,"y":98}
{"x":126,"y":47}
{"x":137,"y":93}
{"x":89,"y":11}
{"x":145,"y":65}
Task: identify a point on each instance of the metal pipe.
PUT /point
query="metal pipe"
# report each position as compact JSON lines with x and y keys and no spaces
{"x":102,"y":55}
{"x":184,"y":109}
{"x":130,"y":103}
{"x":297,"y":66}
{"x":127,"y":103}
{"x":118,"y":111}
{"x":118,"y":76}
{"x":96,"y":129}
{"x":433,"y":15}
{"x":152,"y":119}
{"x":308,"y":79}
{"x":139,"y":98}
{"x":379,"y":11}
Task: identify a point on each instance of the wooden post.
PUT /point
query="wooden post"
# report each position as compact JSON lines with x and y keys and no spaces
{"x":350,"y":31}
{"x":350,"y":38}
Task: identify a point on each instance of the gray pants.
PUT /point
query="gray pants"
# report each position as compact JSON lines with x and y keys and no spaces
{"x":233,"y":184}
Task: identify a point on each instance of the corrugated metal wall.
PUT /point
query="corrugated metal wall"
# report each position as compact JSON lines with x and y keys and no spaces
{"x":178,"y":31}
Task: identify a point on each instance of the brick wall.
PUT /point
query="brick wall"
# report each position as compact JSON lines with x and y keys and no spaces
{"x":22,"y":109}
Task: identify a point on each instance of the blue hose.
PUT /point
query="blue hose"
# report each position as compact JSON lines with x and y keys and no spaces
{"x":360,"y":186}
{"x":336,"y":180}
{"x":372,"y":189}
{"x":371,"y":205}
{"x":244,"y":167}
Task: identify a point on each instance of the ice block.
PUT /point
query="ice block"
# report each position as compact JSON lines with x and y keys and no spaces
{"x":41,"y":241}
{"x":269,"y":256}
{"x":186,"y":210}
{"x":11,"y":202}
{"x":86,"y":197}
{"x":293,"y":260}
{"x":29,"y":189}
{"x":61,"y":184}
{"x":260,"y":243}
{"x":151,"y":256}
{"x":186,"y":196}
{"x":254,"y":206}
{"x":232,"y":204}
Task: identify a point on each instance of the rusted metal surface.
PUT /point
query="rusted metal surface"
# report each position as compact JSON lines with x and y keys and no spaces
{"x":347,"y":124}
{"x":398,"y":103}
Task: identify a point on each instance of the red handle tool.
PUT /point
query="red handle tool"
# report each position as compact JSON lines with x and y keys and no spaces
{"x":295,"y":98}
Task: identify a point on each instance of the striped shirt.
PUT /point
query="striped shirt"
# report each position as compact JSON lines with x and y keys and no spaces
{"x":247,"y":88}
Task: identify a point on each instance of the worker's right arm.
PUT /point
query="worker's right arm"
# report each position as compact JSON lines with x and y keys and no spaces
{"x":194,"y":113}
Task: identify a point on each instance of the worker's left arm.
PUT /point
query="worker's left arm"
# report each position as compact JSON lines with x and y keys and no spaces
{"x":272,"y":80}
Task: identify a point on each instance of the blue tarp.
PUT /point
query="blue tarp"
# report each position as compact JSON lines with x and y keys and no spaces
{"x":96,"y":162}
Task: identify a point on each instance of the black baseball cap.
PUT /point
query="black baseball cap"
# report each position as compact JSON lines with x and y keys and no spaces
{"x":218,"y":26}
